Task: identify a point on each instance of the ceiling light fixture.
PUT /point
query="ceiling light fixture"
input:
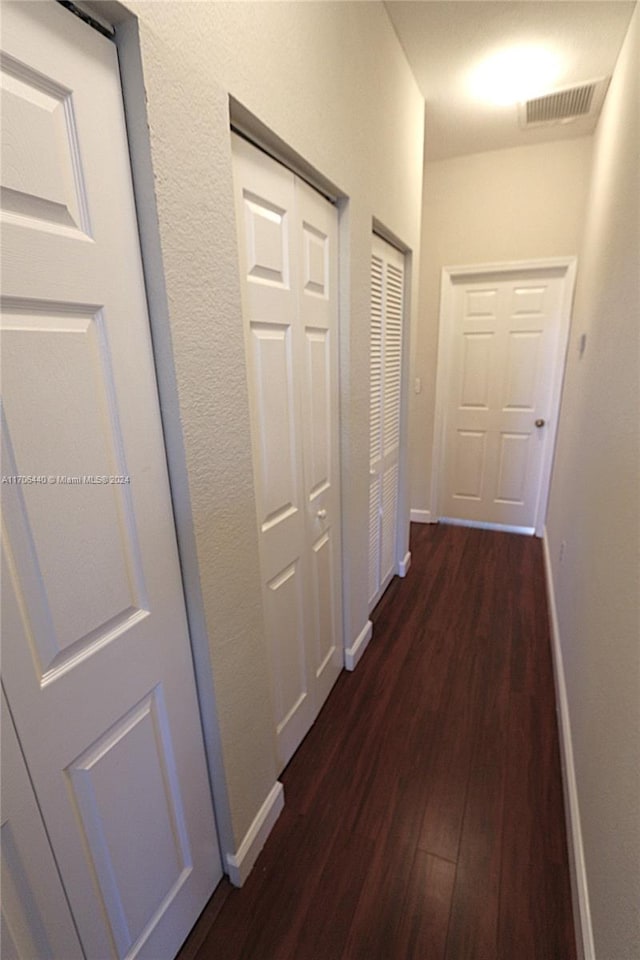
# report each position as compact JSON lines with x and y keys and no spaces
{"x":515,"y":74}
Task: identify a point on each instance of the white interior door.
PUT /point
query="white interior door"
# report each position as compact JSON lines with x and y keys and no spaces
{"x":387,"y":299}
{"x":507,"y":337}
{"x":96,"y":659}
{"x":288,"y":267}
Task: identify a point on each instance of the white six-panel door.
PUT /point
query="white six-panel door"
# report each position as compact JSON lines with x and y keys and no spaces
{"x":387,"y":298}
{"x":507,"y":335}
{"x":287,"y":235}
{"x":96,"y":659}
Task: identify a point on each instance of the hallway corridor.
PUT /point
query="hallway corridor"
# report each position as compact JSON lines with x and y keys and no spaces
{"x":424,"y":813}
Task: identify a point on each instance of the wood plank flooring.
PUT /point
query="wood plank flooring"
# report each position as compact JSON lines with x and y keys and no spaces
{"x":424,"y":813}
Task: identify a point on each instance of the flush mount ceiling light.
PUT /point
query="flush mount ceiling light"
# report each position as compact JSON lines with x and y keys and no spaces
{"x":515,"y":74}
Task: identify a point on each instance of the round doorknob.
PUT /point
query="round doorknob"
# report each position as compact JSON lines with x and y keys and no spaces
{"x":540,"y":423}
{"x":322,"y":514}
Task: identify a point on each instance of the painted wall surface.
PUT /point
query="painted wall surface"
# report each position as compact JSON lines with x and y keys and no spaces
{"x":594,"y":509}
{"x":330,"y":79}
{"x":515,"y":204}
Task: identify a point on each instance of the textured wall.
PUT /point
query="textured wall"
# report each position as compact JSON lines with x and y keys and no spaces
{"x":331,"y":81}
{"x":515,"y":204}
{"x":594,"y":508}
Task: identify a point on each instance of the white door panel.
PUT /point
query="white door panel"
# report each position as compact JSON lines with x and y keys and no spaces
{"x":393,"y":350}
{"x":317,"y":304}
{"x":505,"y":344}
{"x":265,"y":202}
{"x":97,"y":663}
{"x":36,"y":921}
{"x":469,"y":464}
{"x":285,"y":618}
{"x":287,"y":236}
{"x":388,"y":531}
{"x":385,"y":384}
{"x":375,"y":494}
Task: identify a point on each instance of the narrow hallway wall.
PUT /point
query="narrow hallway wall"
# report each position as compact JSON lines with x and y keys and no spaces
{"x":332,"y":82}
{"x":594,"y":512}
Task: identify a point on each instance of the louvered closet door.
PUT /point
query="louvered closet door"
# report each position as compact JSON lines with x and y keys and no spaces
{"x":287,"y":238}
{"x":387,"y":297}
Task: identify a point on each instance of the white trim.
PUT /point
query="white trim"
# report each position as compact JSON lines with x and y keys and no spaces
{"x":510,"y":266}
{"x":579,"y":884}
{"x":240,"y":864}
{"x":353,"y":653}
{"x":258,"y":134}
{"x":482,"y":525}
{"x":448,"y":278}
{"x":421,"y":516}
{"x":380,"y":230}
{"x":442,"y":384}
{"x":403,"y":566}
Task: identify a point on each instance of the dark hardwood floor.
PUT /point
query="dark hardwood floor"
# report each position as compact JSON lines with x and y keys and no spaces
{"x":424,"y":813}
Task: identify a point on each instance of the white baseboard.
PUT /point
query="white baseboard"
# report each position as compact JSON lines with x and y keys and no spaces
{"x":579,"y":885}
{"x":482,"y":525}
{"x":240,"y":864}
{"x":353,"y":653}
{"x":420,"y":516}
{"x":403,"y":566}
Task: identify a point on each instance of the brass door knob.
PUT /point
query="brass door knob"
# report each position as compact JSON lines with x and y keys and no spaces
{"x":540,"y":423}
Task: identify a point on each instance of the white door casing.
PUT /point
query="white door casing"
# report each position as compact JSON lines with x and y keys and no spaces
{"x":96,"y":659}
{"x":503,"y":336}
{"x":287,"y":235}
{"x":386,"y":328}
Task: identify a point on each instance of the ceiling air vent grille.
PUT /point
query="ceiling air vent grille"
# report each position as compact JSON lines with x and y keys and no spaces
{"x":560,"y":106}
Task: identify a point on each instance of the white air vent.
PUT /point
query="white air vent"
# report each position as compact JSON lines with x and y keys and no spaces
{"x":562,"y":106}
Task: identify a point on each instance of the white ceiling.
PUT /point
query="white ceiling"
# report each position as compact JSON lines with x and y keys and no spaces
{"x":445,"y":39}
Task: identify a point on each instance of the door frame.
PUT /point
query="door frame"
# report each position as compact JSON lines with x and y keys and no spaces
{"x":449,"y":277}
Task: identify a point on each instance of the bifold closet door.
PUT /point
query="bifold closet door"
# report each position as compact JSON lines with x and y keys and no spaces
{"x":287,"y":237}
{"x":96,"y":660}
{"x":387,"y":299}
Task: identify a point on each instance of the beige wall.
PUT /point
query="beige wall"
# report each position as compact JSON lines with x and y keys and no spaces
{"x":330,"y":79}
{"x":595,"y":510}
{"x":502,"y":205}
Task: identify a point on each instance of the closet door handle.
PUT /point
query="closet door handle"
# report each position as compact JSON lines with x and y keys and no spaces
{"x":321,"y":514}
